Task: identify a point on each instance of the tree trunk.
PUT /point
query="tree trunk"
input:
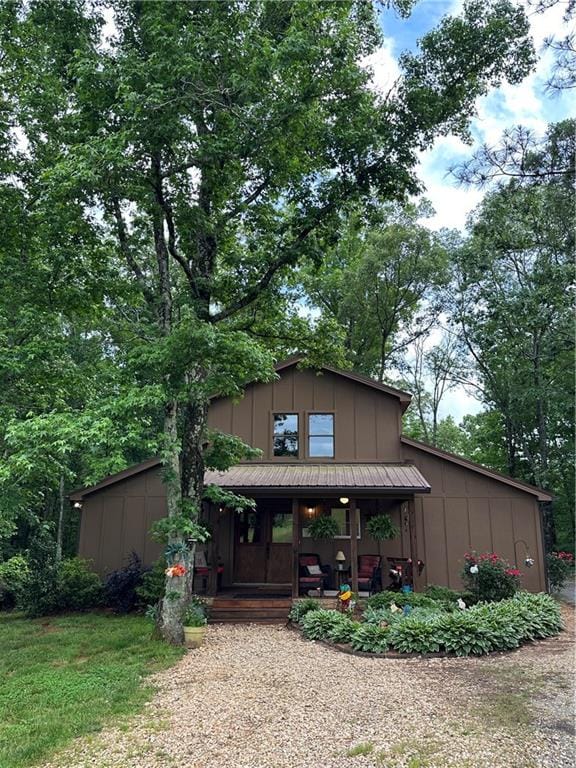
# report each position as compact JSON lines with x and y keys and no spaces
{"x":60,"y":529}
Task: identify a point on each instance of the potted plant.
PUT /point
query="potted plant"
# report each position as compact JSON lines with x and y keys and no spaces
{"x":323,"y":528}
{"x":194,"y":621}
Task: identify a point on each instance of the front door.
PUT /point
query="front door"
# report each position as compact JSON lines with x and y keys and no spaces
{"x":263,"y":544}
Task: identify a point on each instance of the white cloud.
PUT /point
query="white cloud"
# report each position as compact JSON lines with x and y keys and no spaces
{"x":385,"y":70}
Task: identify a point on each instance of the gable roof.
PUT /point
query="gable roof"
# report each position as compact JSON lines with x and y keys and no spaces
{"x":404,"y":397}
{"x":541,"y":494}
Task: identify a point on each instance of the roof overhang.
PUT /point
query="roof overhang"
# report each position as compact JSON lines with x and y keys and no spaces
{"x":297,"y":478}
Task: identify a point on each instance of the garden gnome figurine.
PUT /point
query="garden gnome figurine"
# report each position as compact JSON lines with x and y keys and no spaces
{"x":344,"y":597}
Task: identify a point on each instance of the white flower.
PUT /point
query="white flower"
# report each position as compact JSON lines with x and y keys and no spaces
{"x":461,"y":604}
{"x":474,"y":569}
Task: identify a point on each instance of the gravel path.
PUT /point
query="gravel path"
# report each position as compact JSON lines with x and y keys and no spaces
{"x":262,"y":697}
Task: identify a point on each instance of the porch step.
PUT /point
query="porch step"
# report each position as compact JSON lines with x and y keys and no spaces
{"x":242,"y":611}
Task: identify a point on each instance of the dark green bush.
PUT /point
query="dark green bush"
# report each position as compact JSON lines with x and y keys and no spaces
{"x":151,"y":590}
{"x":14,"y":576}
{"x":302,"y":607}
{"x":560,"y":566}
{"x":41,"y":596}
{"x":79,"y":588}
{"x":370,"y":638}
{"x":120,"y":587}
{"x":489,"y":577}
{"x":443,"y":594}
{"x":385,"y":600}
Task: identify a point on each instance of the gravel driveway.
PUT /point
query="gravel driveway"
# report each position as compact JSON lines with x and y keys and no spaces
{"x":262,"y":697}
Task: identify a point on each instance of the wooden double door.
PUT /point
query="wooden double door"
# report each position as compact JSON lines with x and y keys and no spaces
{"x":263,"y":544}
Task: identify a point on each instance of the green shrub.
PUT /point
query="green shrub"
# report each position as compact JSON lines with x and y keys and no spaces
{"x":385,"y":600}
{"x":415,"y":635}
{"x":79,"y":588}
{"x":14,"y":576}
{"x":560,"y":566}
{"x":380,"y":616}
{"x":302,"y":607}
{"x":442,"y":594}
{"x":317,"y":624}
{"x":41,"y":596}
{"x":490,"y":577}
{"x":370,"y":638}
{"x":151,"y":590}
{"x":343,"y":629}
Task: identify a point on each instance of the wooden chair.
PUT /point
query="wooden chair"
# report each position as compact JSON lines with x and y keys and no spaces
{"x":370,"y":573}
{"x":307,"y":580}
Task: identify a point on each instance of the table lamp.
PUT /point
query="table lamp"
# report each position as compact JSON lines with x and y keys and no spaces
{"x":340,"y":559}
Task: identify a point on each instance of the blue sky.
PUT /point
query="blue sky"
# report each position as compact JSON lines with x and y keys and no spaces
{"x":527,"y":104}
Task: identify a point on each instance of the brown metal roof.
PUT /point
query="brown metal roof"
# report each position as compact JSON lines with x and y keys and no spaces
{"x":386,"y":477}
{"x":390,"y":477}
{"x":539,"y":492}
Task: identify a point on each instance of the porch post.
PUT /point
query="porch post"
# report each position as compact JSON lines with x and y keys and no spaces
{"x":213,"y":518}
{"x":295,"y":546}
{"x":354,"y":545}
{"x":416,"y":577}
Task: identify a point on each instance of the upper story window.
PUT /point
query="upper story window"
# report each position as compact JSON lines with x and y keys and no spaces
{"x":286,"y":434}
{"x":321,"y":435}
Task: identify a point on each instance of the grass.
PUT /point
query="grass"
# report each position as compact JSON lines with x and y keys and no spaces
{"x":63,"y":677}
{"x":360,"y":749}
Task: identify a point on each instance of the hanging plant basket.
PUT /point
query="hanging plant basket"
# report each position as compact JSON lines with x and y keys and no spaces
{"x":323,"y":528}
{"x":381,"y":527}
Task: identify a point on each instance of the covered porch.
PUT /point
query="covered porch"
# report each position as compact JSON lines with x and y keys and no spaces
{"x":265,"y":553}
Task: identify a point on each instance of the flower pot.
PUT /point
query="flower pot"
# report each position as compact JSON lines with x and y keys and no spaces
{"x":194,"y":636}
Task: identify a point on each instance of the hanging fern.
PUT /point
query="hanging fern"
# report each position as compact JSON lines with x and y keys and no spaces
{"x":323,"y":528}
{"x":381,"y":527}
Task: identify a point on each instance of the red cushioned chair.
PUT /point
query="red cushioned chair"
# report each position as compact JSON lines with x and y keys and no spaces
{"x":370,"y":573}
{"x":306,"y":580}
{"x":202,"y":569}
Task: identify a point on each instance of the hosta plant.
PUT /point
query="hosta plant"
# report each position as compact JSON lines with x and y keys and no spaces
{"x":317,"y":624}
{"x":370,"y":638}
{"x":301,"y":608}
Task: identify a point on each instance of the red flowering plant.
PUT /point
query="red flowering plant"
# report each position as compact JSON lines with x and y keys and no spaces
{"x":489,"y":577}
{"x":560,"y":565}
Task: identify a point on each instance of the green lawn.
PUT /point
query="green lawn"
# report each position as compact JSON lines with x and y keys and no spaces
{"x":64,"y":676}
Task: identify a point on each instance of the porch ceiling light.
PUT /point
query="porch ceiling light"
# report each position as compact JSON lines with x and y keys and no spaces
{"x":310,"y":511}
{"x":344,"y":499}
{"x":77,"y":505}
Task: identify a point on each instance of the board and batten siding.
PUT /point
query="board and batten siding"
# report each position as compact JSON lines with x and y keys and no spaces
{"x":116,"y":521}
{"x":468,"y":511}
{"x":366,"y":421}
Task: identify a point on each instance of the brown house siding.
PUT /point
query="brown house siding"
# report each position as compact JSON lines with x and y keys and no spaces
{"x":467,"y":511}
{"x":366,"y":423}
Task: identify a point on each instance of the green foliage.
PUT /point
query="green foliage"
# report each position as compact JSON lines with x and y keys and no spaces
{"x":371,"y":638}
{"x":323,"y":527}
{"x":121,"y":585}
{"x":343,"y":629}
{"x":178,"y":526}
{"x":381,"y":527}
{"x":79,"y":588}
{"x":443,"y":594}
{"x":301,"y":607}
{"x":560,"y":567}
{"x":225,"y":450}
{"x":69,"y":676}
{"x":415,"y":635}
{"x":316,"y":625}
{"x":14,"y":576}
{"x":41,"y":596}
{"x":489,"y":577}
{"x":385,"y":600}
{"x":151,"y":589}
{"x":194,"y":616}
{"x":228,"y":499}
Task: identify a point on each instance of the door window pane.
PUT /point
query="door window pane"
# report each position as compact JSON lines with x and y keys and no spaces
{"x":249,"y":528}
{"x":321,"y":435}
{"x":286,"y":434}
{"x":281,"y":527}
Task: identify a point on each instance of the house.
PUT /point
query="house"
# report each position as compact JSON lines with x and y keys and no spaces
{"x":331,"y":444}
